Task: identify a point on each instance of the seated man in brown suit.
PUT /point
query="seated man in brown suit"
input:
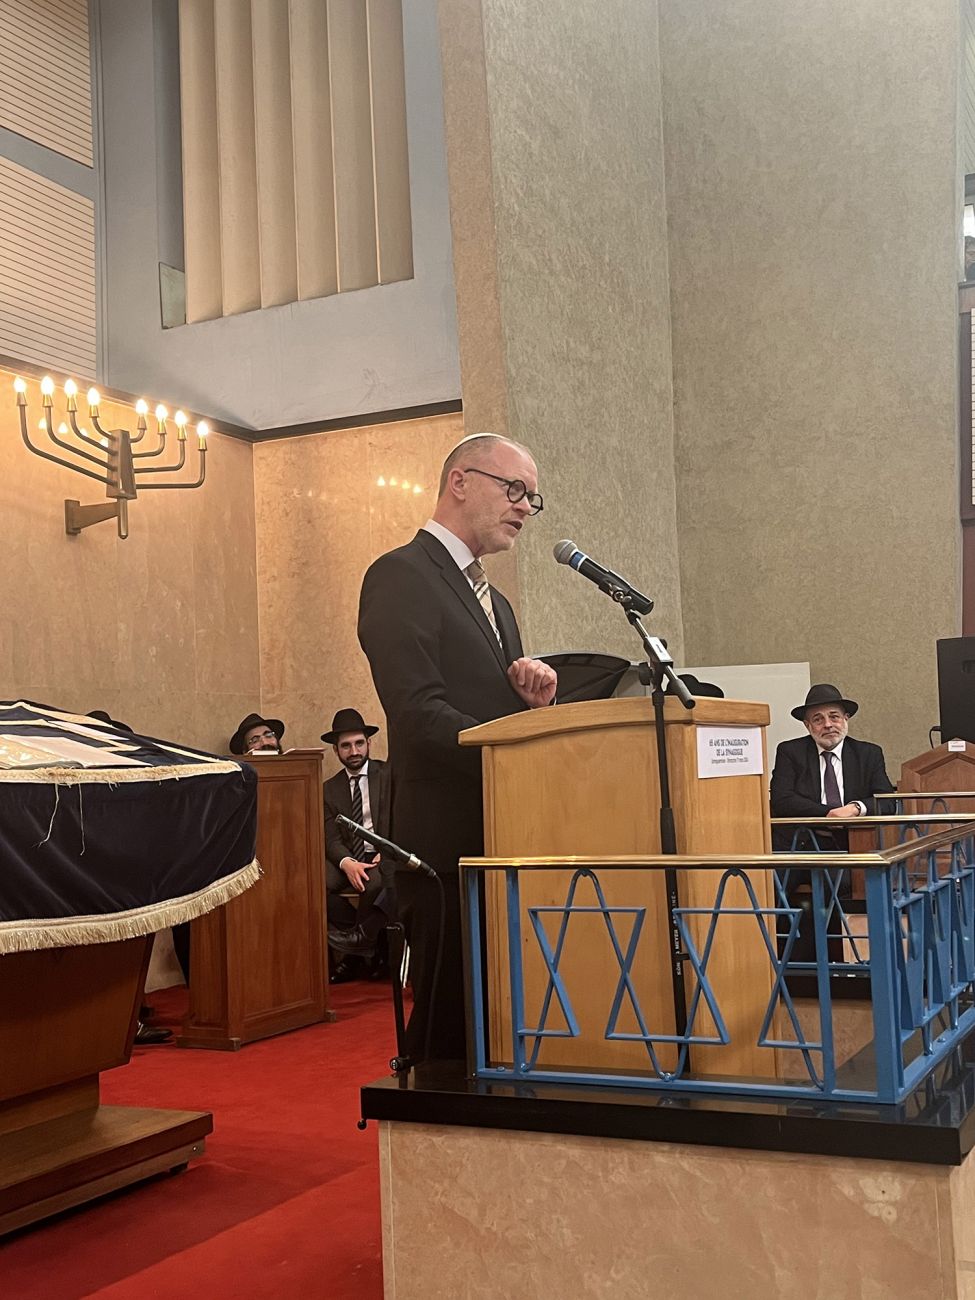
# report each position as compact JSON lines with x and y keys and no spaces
{"x":360,"y":791}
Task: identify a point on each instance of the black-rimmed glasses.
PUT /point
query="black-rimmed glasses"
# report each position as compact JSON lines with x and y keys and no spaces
{"x":517,"y":490}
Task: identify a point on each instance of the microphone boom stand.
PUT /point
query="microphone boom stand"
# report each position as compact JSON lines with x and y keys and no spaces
{"x":658,"y":666}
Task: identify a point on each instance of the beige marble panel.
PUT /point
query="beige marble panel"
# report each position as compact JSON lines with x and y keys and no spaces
{"x":159,"y":629}
{"x":322,"y":518}
{"x":813,"y":263}
{"x":468,"y":131}
{"x":962,"y":1188}
{"x":526,"y":1214}
{"x":560,"y":263}
{"x":852,"y":1031}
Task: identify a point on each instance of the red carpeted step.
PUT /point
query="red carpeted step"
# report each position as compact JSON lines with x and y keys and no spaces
{"x":284,"y":1203}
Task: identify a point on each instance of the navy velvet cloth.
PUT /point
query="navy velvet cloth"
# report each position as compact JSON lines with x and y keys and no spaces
{"x":71,"y":846}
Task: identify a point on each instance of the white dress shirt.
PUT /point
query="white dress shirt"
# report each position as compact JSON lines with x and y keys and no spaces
{"x":460,"y":552}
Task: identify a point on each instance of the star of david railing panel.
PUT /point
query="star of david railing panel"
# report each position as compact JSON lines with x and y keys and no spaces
{"x":915,"y":962}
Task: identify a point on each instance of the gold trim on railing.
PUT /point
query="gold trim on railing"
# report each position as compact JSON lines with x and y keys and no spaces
{"x":716,"y":861}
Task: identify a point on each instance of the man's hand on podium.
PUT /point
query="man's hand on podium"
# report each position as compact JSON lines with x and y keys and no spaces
{"x":534,"y":681}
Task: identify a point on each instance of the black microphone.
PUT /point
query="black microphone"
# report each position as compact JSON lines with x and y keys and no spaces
{"x":388,"y":847}
{"x":606,"y":580}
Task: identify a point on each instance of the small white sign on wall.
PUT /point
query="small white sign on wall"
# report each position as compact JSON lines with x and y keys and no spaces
{"x":729,"y":751}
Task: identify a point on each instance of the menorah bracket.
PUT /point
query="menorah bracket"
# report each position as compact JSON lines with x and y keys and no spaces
{"x":111,"y":454}
{"x":77,"y":516}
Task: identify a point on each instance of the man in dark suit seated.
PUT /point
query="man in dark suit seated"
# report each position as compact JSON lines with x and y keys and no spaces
{"x":360,"y":791}
{"x":827,"y":773}
{"x":824,"y":774}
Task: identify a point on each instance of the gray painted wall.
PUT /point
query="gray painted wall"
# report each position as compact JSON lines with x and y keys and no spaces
{"x":813,"y":260}
{"x":380,"y":348}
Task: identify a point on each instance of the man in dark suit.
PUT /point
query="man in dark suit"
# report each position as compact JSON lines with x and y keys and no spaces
{"x":445,"y":654}
{"x":824,"y":774}
{"x":360,"y":791}
{"x":827,"y":773}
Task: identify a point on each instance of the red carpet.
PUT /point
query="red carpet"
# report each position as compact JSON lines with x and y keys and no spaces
{"x":285,"y":1203}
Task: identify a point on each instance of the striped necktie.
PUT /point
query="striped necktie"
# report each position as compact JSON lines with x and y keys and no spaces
{"x":475,"y":571}
{"x":358,"y":845}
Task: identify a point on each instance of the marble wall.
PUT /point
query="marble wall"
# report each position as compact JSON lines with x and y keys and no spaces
{"x":538,"y":1214}
{"x":322,"y":518}
{"x":160,"y":629}
{"x":813,"y":265}
{"x":560,"y":262}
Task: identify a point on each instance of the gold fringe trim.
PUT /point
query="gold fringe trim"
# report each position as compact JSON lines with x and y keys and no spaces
{"x":75,"y":931}
{"x":113,"y":775}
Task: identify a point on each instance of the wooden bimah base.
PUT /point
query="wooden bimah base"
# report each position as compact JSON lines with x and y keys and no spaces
{"x":66,"y":1014}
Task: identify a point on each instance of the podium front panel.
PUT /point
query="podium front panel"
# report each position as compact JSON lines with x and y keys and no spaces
{"x":582,"y":780}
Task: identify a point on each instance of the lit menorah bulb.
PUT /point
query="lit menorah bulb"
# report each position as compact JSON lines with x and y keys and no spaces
{"x":47,"y":390}
{"x":202,"y":430}
{"x":71,"y":393}
{"x":161,"y":416}
{"x":94,"y":399}
{"x":180,"y":418}
{"x":20,"y":388}
{"x":142,"y":410}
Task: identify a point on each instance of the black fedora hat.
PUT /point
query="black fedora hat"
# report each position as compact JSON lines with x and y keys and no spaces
{"x":254,"y":720}
{"x":823,"y":693}
{"x":347,"y":720}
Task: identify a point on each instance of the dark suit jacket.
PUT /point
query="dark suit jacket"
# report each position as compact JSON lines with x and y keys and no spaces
{"x":338,"y":799}
{"x":796,"y":777}
{"x":438,"y":669}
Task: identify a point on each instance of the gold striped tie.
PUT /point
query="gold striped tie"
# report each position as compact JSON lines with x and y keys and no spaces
{"x":475,"y":571}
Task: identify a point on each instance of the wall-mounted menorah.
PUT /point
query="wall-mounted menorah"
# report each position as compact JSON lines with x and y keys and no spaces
{"x":119,"y":467}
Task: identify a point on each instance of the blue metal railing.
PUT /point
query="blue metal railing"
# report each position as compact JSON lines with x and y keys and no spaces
{"x":916,"y":964}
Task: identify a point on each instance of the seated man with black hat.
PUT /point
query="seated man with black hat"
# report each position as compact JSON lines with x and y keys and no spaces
{"x":827,"y":773}
{"x":360,"y":791}
{"x":257,"y":735}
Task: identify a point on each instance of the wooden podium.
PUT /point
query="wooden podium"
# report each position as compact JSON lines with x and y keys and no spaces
{"x":582,"y":780}
{"x":258,"y":965}
{"x":946,"y":768}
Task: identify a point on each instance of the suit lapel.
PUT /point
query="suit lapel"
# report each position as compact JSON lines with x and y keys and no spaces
{"x":462,"y":589}
{"x":851,"y":769}
{"x":344,"y":793}
{"x":815,"y":769}
{"x":376,"y":796}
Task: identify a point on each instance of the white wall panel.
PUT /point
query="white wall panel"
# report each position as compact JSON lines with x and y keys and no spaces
{"x":47,"y":272}
{"x":45,"y":74}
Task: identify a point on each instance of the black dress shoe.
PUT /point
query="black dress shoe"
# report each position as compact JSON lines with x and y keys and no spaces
{"x":148,"y":1034}
{"x":349,"y":968}
{"x":352,"y":942}
{"x":378,"y":968}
